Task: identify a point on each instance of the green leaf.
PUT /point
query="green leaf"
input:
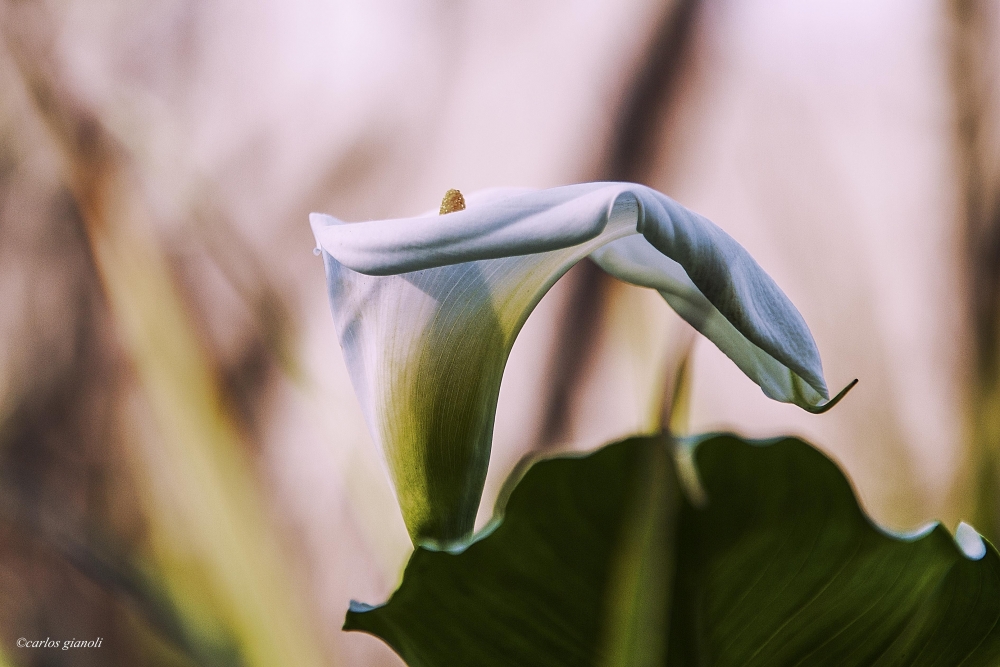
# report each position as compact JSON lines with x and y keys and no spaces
{"x":782,"y":567}
{"x":600,"y":561}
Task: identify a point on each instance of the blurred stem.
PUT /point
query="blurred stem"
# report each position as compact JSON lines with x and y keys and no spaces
{"x":637,"y":615}
{"x":981,"y":211}
{"x":210,"y":534}
{"x":580,"y":328}
{"x":633,"y":148}
{"x":678,"y":411}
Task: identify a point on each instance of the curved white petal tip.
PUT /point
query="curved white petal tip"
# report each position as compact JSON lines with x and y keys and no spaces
{"x":823,"y":407}
{"x":969,"y":541}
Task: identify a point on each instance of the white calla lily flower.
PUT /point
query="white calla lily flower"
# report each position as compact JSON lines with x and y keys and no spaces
{"x":427,"y":309}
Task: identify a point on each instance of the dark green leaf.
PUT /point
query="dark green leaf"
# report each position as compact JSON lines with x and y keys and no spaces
{"x":783,"y":568}
{"x":599,"y":562}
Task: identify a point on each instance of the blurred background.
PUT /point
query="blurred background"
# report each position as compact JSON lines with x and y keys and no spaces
{"x":184,"y":469}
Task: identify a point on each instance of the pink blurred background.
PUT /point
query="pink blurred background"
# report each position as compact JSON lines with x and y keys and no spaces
{"x":174,"y":406}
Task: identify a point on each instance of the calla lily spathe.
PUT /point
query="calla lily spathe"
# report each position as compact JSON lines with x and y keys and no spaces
{"x":427,"y":309}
